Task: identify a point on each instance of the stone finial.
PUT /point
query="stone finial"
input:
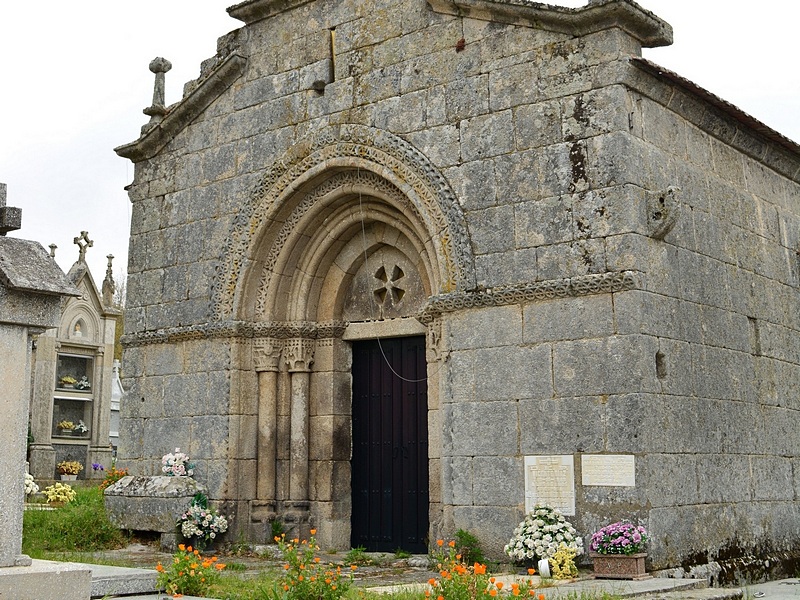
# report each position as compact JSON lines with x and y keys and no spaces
{"x":10,"y":217}
{"x":109,"y":287}
{"x":156,"y":112}
{"x":52,"y":250}
{"x":83,"y":242}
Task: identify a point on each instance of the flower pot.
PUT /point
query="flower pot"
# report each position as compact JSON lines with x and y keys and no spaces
{"x":69,"y":477}
{"x":619,"y":566}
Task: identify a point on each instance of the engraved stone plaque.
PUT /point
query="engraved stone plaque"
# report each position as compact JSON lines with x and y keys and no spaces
{"x":550,"y":480}
{"x":608,"y":469}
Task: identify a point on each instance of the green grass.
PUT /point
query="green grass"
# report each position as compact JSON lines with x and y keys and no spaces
{"x":80,"y":526}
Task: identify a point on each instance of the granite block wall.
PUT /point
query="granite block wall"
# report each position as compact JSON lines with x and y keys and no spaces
{"x":632,"y":258}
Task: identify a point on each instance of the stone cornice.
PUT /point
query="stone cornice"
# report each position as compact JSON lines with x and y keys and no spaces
{"x":584,"y":285}
{"x":184,"y":112}
{"x":237,"y":329}
{"x":256,"y":10}
{"x":598,"y":15}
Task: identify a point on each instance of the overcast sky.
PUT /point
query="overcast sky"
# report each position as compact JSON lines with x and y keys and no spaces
{"x":75,"y":79}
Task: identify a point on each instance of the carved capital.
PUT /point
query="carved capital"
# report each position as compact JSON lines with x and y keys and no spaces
{"x":299,"y":354}
{"x":267,"y":354}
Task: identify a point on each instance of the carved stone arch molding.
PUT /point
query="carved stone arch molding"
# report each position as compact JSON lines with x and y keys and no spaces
{"x":293,"y":184}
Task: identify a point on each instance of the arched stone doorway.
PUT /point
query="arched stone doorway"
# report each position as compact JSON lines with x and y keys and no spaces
{"x":346,"y":240}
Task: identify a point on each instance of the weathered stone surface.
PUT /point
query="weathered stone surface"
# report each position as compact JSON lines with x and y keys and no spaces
{"x":529,"y":178}
{"x":150,"y":503}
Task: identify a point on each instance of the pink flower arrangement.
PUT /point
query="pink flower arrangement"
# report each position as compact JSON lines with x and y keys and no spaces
{"x":622,"y":537}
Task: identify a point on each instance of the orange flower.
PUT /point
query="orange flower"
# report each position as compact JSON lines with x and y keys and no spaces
{"x":188,"y":548}
{"x":531,"y":571}
{"x":499,"y":585}
{"x":479,"y":569}
{"x":493,"y":593}
{"x":440,"y":597}
{"x":353,"y":567}
{"x":181,"y":547}
{"x":313,"y":532}
{"x":431,"y":581}
{"x":541,"y":596}
{"x":451,"y":543}
{"x":440,"y":543}
{"x":219,"y":566}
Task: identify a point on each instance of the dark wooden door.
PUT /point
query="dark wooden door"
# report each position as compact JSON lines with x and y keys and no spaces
{"x":390,"y":445}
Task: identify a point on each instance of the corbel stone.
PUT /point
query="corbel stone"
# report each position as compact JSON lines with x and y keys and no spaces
{"x":663,"y":210}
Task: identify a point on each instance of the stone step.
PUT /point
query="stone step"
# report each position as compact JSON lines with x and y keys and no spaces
{"x":111,"y":582}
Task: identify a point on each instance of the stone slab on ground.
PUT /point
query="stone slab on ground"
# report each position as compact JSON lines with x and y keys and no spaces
{"x":121,"y":581}
{"x":46,"y":580}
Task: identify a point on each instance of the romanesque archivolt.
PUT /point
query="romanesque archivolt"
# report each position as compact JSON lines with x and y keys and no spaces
{"x":363,"y":152}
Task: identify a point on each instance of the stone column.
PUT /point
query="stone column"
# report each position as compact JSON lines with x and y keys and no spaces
{"x":43,"y":454}
{"x":266,"y":354}
{"x":299,"y":357}
{"x":14,"y":344}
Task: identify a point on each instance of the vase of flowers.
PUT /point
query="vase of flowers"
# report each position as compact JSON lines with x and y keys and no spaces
{"x":67,"y":381}
{"x":177,"y":464}
{"x":542,"y":533}
{"x":65,"y":427}
{"x":201,"y":523}
{"x":617,"y":551}
{"x":69,"y":469}
{"x":80,"y":429}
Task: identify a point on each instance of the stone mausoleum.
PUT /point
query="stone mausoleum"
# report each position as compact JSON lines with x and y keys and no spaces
{"x":404,"y":267}
{"x":72,"y":376}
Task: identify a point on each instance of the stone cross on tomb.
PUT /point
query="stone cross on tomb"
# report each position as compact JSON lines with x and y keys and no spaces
{"x":83,"y":242}
{"x":10,"y":217}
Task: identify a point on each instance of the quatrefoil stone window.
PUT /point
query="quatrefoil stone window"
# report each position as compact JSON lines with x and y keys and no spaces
{"x":389,"y":290}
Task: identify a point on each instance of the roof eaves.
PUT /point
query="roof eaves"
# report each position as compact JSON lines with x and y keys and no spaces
{"x":738,"y":115}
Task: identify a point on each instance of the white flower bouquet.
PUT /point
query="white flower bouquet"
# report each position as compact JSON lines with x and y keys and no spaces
{"x":30,"y":485}
{"x":541,"y":534}
{"x":177,"y":464}
{"x":201,"y":522}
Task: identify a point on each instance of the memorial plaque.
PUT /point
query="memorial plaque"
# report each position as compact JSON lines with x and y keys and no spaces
{"x":550,"y":480}
{"x":608,"y":469}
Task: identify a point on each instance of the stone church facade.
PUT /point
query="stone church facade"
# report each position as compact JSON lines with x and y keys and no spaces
{"x":387,"y":255}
